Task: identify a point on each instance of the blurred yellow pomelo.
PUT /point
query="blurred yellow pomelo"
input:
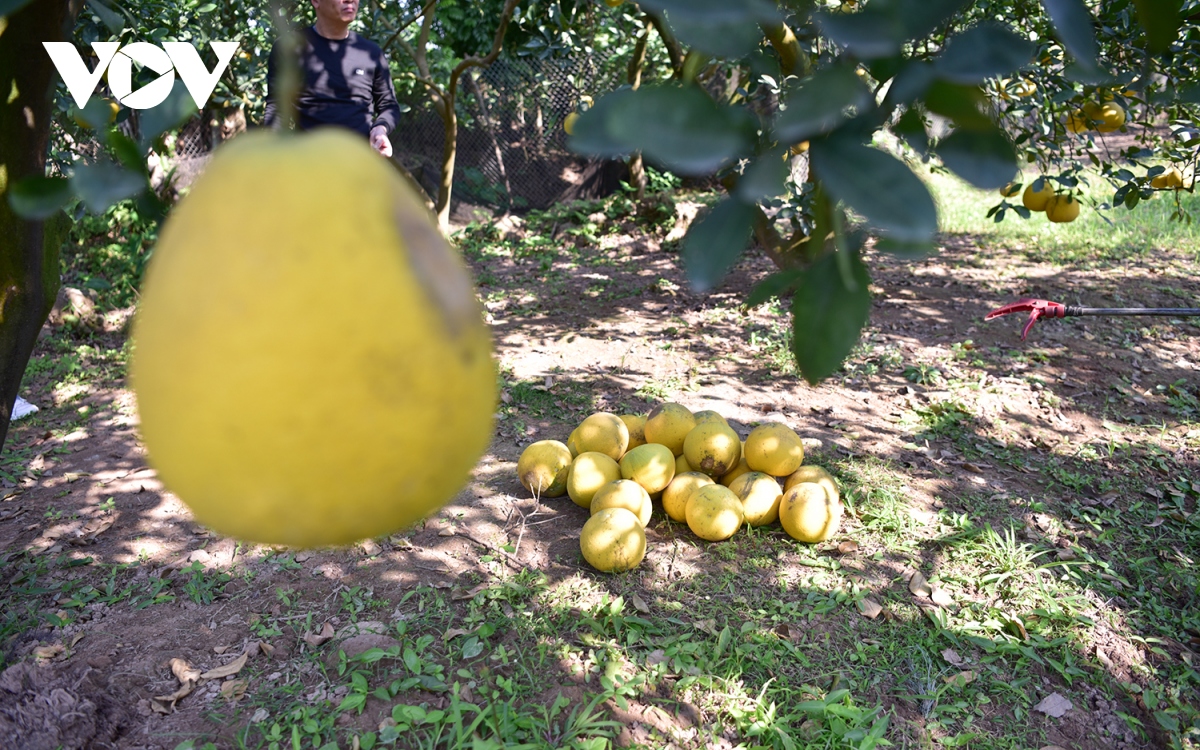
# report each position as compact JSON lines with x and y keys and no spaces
{"x":708,"y":415}
{"x":543,"y":468}
{"x":650,"y":465}
{"x":712,"y":448}
{"x":774,"y":449}
{"x":736,"y":471}
{"x":814,"y":474}
{"x":589,"y":472}
{"x":613,"y":541}
{"x":636,"y":424}
{"x":603,"y":433}
{"x":1171,"y":178}
{"x":569,"y":122}
{"x":809,"y":514}
{"x":677,"y":493}
{"x":1062,"y":208}
{"x":1036,"y":200}
{"x":310,"y":362}
{"x":627,"y":494}
{"x":1111,"y":116}
{"x":681,"y":465}
{"x":669,"y":424}
{"x":1076,"y":122}
{"x":1010,"y":190}
{"x":760,"y":495}
{"x":714,"y":512}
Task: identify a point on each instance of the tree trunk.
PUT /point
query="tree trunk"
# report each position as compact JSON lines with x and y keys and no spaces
{"x":637,"y":169}
{"x":28,"y":249}
{"x":449,"y":155}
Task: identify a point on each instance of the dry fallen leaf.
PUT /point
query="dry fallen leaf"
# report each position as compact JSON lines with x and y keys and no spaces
{"x":848,"y":547}
{"x":961,"y":679}
{"x":941,"y":597}
{"x":234,"y":690}
{"x":789,"y":632}
{"x":159,"y":708}
{"x":951,"y":656}
{"x":639,"y":604}
{"x":1054,"y":705}
{"x":1103,"y":658}
{"x":869,"y":608}
{"x":919,"y":586}
{"x":316,"y":639}
{"x":454,"y":632}
{"x":46,"y":653}
{"x":218,"y":650}
{"x":231,"y":668}
{"x":1156,"y":523}
{"x":183,"y":671}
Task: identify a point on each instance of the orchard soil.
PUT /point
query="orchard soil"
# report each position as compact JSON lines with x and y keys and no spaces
{"x":110,"y":580}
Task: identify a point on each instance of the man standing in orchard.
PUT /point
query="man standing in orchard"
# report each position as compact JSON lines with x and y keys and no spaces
{"x":345,"y":79}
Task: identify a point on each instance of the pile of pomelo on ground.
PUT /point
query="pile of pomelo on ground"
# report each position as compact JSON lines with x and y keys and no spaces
{"x":695,"y":467}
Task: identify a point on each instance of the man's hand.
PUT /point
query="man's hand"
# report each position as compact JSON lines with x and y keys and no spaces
{"x":379,"y":140}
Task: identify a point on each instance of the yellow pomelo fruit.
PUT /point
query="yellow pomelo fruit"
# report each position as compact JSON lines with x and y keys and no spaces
{"x":1036,"y":200}
{"x":613,"y":3}
{"x":603,"y":433}
{"x":712,"y":448}
{"x":322,"y":374}
{"x":760,"y":496}
{"x":1111,"y":116}
{"x":677,"y":493}
{"x":816,"y":475}
{"x":714,"y":512}
{"x":1077,"y":122}
{"x":774,"y":449}
{"x":650,"y":465}
{"x":627,"y":494}
{"x":636,"y":424}
{"x":1010,"y":190}
{"x":573,"y":442}
{"x":1062,"y":208}
{"x":613,"y":541}
{"x":1172,"y":178}
{"x":1024,"y":88}
{"x":682,"y":465}
{"x":736,"y":472}
{"x":808,"y":513}
{"x":589,"y":472}
{"x":669,"y":424}
{"x":708,"y":415}
{"x":569,"y":122}
{"x":543,"y":468}
{"x":798,"y":148}
{"x":1091,"y":110}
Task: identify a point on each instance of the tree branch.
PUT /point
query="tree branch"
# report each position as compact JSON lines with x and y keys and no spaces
{"x":497,"y":46}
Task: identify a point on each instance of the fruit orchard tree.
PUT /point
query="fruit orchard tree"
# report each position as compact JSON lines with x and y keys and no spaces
{"x":866,"y":89}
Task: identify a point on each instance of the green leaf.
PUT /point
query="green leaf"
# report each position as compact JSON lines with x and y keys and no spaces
{"x":102,"y":185}
{"x":592,"y":134}
{"x":727,"y":39}
{"x":877,"y":185}
{"x":678,"y":127}
{"x":715,"y":242}
{"x":37,"y":198}
{"x":714,"y":11}
{"x":881,"y":28}
{"x":9,"y":7}
{"x":911,"y":250}
{"x":985,"y":51}
{"x":1161,"y":20}
{"x":763,"y":178}
{"x":97,"y":113}
{"x":126,"y":151}
{"x":109,"y":17}
{"x":962,"y":104}
{"x":985,"y":158}
{"x":775,"y":285}
{"x":819,"y":104}
{"x":175,"y":110}
{"x":1073,"y":23}
{"x":912,"y":81}
{"x":827,"y":317}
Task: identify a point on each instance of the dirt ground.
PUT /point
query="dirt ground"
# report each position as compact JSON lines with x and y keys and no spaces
{"x":621,"y":331}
